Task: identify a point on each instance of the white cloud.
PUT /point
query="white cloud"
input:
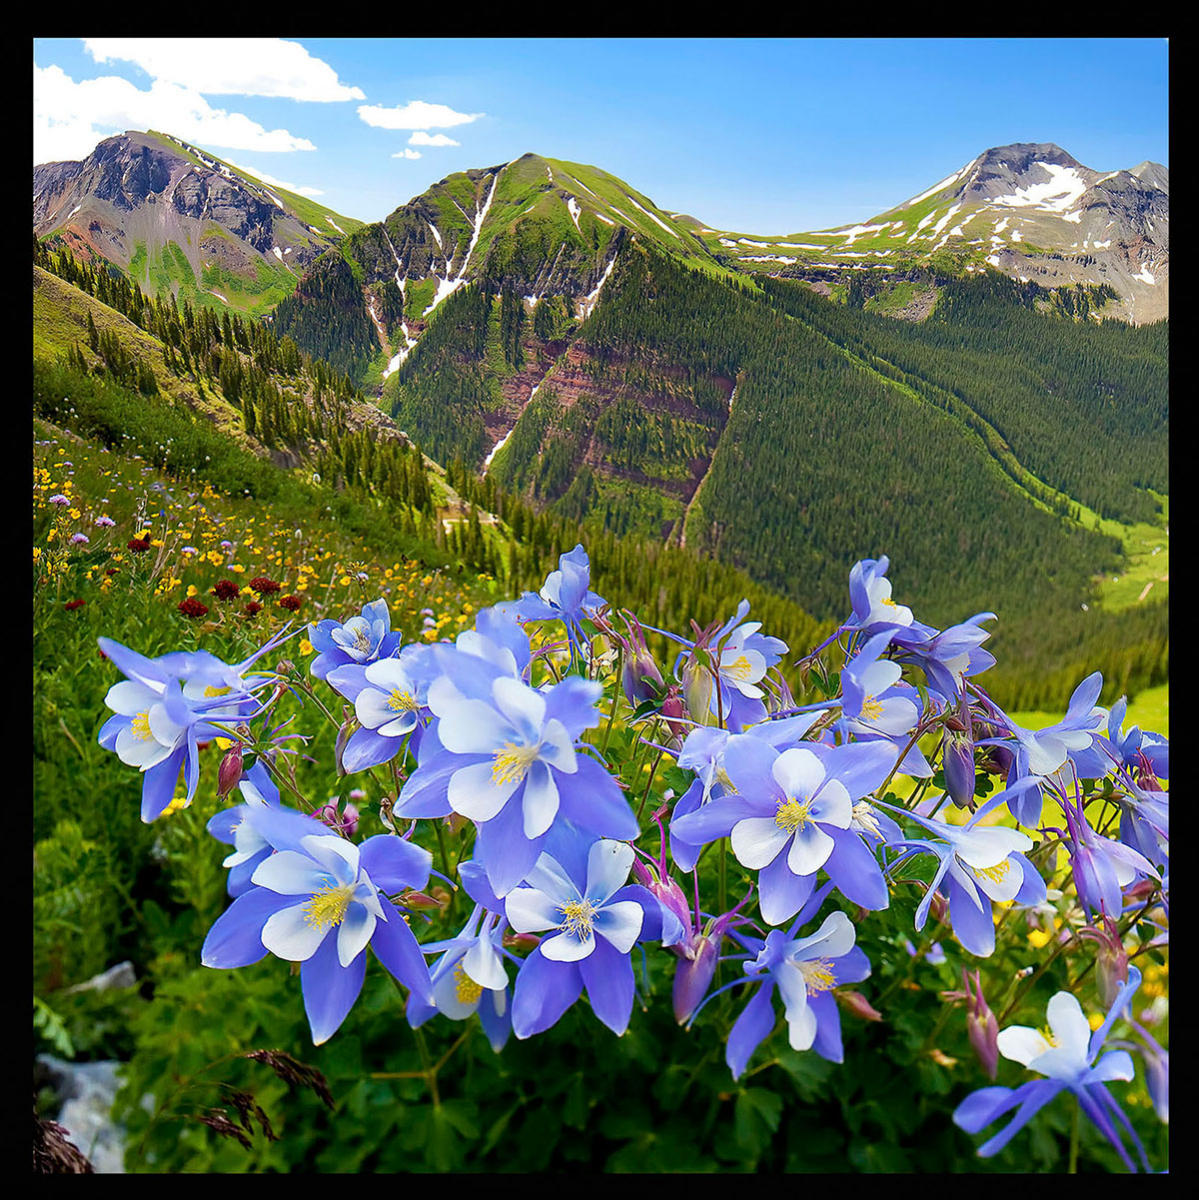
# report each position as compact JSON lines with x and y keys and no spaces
{"x":406,"y":153}
{"x":70,"y":118}
{"x":229,"y":66}
{"x":416,"y":114}
{"x":436,"y":139}
{"x":298,"y":189}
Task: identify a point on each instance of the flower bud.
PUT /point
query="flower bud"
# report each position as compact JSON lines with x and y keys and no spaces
{"x":521,"y":941}
{"x":1111,"y":959}
{"x":693,"y":976}
{"x":229,"y":773}
{"x":672,"y":707}
{"x":939,"y":907}
{"x":639,"y":676}
{"x":982,"y":1027}
{"x":958,"y":763}
{"x":697,"y":692}
{"x":857,"y":1004}
{"x":420,"y":902}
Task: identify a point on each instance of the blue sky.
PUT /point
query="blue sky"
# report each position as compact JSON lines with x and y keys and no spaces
{"x":763,"y":136}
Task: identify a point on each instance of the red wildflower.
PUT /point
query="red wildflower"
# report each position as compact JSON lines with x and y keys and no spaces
{"x":263,"y":586}
{"x":225,"y":589}
{"x":138,"y":545}
{"x":111,"y":571}
{"x":253,"y":608}
{"x":71,"y":605}
{"x":291,"y":603}
{"x":191,"y":607}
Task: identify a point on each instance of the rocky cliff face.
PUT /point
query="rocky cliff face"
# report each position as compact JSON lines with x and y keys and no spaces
{"x":173,"y":216}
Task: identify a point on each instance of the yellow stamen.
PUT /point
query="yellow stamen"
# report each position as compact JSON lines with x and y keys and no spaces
{"x":579,"y":914}
{"x":141,"y":726}
{"x":512,"y":762}
{"x":400,"y":701}
{"x":997,"y":873}
{"x":328,"y":906}
{"x":793,"y":815}
{"x":890,"y":603}
{"x":210,"y":692}
{"x":872,"y":709}
{"x":817,"y":974}
{"x":466,"y":991}
{"x":740,"y":669}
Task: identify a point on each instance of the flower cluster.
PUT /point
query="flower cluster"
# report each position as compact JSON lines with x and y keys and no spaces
{"x":503,"y":738}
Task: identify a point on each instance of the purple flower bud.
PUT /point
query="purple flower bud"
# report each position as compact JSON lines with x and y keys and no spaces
{"x":672,"y":707}
{"x":958,"y":763}
{"x":857,"y":1004}
{"x":982,"y":1027}
{"x":640,"y":676}
{"x":693,"y":976}
{"x":229,"y":772}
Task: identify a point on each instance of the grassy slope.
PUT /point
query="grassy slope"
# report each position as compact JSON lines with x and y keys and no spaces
{"x":60,"y":314}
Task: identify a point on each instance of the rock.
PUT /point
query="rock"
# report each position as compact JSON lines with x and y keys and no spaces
{"x":87,"y":1091}
{"x":120,"y":976}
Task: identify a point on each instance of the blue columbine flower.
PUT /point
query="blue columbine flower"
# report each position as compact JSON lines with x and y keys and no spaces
{"x":804,"y":971}
{"x":165,"y":707}
{"x":722,"y":673}
{"x":978,"y":865}
{"x":361,"y":640}
{"x":595,"y":921}
{"x":319,"y":900}
{"x":791,"y":815}
{"x":873,"y":608}
{"x":1067,"y":1059}
{"x":508,"y":762}
{"x":565,"y":596}
{"x":390,"y":702}
{"x":470,"y":977}
{"x":1043,"y":753}
{"x":703,"y":752}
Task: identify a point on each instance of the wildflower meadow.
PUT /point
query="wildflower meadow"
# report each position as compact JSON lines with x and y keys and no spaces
{"x":422,"y":876}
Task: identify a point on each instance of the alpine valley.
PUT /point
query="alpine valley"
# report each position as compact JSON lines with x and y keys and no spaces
{"x":973,"y":383}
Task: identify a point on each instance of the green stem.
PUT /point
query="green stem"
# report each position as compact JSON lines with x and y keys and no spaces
{"x":615,"y":701}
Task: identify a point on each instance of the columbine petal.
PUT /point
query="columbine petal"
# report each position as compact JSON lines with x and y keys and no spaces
{"x":532,"y":911}
{"x":540,"y":802}
{"x":329,"y":990}
{"x":810,"y":850}
{"x":758,"y":841}
{"x":354,"y":933}
{"x":620,"y":923}
{"x":291,"y":936}
{"x":291,"y":874}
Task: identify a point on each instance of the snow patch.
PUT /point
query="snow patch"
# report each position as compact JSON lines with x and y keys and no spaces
{"x":1145,"y":275}
{"x":656,"y":220}
{"x":585,"y":306}
{"x":573,"y":205}
{"x":768,"y":258}
{"x":606,"y":220}
{"x":1059,"y":194}
{"x":277,"y":253}
{"x":74,"y":211}
{"x":217,"y":295}
{"x":335,"y":225}
{"x":437,"y":235}
{"x":940,"y":187}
